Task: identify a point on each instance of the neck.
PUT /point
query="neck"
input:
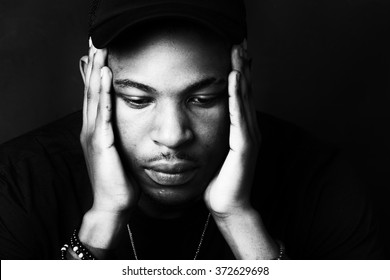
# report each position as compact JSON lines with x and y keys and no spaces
{"x":163,"y":211}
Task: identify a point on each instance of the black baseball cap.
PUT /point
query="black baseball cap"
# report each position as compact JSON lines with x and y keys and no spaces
{"x":110,"y":17}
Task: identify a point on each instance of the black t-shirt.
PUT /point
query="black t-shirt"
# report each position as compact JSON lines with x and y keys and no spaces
{"x":305,"y":192}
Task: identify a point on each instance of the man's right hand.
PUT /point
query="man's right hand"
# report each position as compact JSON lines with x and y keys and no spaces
{"x":114,"y":193}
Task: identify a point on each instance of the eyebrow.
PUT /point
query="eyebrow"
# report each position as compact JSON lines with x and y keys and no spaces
{"x":126,"y":83}
{"x":211,"y":81}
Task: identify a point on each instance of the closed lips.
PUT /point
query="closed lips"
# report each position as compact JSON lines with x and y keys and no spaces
{"x":171,"y":174}
{"x":172,"y":167}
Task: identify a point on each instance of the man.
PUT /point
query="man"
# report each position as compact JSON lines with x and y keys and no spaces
{"x":178,"y":164}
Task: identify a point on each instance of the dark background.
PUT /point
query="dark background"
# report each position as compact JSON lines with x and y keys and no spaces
{"x":321,"y":64}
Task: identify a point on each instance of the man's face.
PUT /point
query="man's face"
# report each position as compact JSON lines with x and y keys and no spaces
{"x":171,"y":112}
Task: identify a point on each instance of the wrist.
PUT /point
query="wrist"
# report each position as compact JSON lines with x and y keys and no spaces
{"x":246,"y":235}
{"x":238,"y":212}
{"x":115,"y":206}
{"x":100,"y":229}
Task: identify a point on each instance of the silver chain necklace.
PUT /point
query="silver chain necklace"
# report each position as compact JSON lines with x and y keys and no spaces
{"x":197,"y":250}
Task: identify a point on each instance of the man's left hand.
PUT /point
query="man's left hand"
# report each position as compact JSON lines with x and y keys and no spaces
{"x":229,"y":191}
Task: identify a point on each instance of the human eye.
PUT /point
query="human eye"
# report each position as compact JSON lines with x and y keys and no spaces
{"x":136,"y":102}
{"x":205,"y":101}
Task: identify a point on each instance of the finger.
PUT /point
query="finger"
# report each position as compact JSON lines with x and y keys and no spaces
{"x":244,"y":61}
{"x":240,"y":63}
{"x":248,"y":71}
{"x":238,"y":124}
{"x":91,"y":54}
{"x":241,"y":60}
{"x":94,"y":88}
{"x":237,"y":63}
{"x":247,"y":65}
{"x":104,"y":112}
{"x":86,"y":87}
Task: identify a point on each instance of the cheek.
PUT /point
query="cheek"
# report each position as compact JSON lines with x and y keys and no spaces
{"x":213,"y":128}
{"x":210,"y":128}
{"x":131,"y":130}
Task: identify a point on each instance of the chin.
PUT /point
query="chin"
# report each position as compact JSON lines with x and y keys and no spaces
{"x":172,"y":196}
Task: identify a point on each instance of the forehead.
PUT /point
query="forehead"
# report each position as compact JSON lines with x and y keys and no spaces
{"x":174,"y":53}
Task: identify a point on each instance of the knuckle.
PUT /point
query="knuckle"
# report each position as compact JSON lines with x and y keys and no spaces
{"x":86,"y":88}
{"x":94,"y":141}
{"x":96,"y":144}
{"x":89,"y":94}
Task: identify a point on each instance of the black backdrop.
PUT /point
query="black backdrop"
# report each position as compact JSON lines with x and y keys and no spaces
{"x":322,"y":64}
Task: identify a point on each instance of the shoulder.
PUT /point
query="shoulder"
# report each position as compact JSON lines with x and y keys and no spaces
{"x":40,"y":154}
{"x":42,"y":177}
{"x":59,"y":136}
{"x":310,"y":196}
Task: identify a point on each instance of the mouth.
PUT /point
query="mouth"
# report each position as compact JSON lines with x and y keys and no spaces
{"x":171,"y":174}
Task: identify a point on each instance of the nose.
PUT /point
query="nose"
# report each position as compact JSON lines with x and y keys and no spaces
{"x":171,"y":127}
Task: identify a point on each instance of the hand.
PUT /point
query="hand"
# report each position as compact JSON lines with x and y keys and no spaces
{"x":228,"y":194}
{"x":113,"y":191}
{"x":229,"y":191}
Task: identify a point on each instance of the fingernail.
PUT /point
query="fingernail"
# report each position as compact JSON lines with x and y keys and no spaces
{"x":94,"y":50}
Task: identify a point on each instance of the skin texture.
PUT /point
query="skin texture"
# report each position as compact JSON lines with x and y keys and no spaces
{"x":143,"y":109}
{"x":173,"y":122}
